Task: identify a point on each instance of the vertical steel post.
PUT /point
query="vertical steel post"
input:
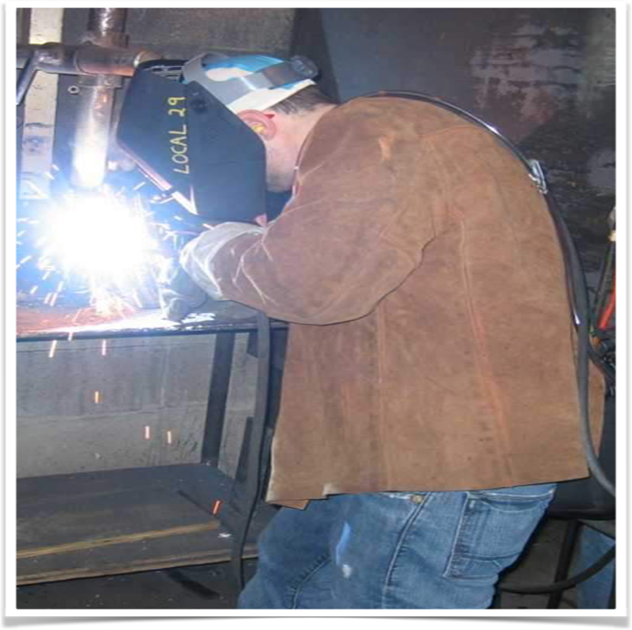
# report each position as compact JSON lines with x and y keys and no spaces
{"x":94,"y":116}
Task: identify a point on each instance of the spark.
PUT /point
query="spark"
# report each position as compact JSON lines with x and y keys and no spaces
{"x":138,"y":186}
{"x":137,"y":299}
{"x":97,"y":397}
{"x":47,"y":298}
{"x":53,"y":299}
{"x":71,"y":334}
{"x":159,"y":201}
{"x":33,"y":290}
{"x":53,"y":348}
{"x":26,"y":259}
{"x":169,"y":440}
{"x":21,"y":233}
{"x":147,"y":432}
{"x":104,"y":347}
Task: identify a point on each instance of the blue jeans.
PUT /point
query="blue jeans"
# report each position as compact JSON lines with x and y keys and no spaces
{"x":595,"y":592}
{"x":419,"y":550}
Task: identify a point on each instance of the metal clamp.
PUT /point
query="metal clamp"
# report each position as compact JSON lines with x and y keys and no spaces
{"x":536,"y":173}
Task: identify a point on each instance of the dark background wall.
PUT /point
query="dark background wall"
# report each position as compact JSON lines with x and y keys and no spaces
{"x":544,"y":77}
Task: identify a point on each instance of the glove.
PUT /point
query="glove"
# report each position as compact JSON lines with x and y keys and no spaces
{"x":177,"y":293}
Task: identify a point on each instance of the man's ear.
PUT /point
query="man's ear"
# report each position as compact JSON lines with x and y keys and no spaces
{"x":260,"y":123}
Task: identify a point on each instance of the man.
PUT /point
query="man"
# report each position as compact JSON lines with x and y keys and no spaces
{"x":430,"y":400}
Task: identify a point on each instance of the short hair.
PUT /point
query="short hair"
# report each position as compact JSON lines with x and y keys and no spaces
{"x":305,"y":100}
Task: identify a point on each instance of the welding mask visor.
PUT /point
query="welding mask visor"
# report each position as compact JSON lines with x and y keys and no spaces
{"x":191,"y":146}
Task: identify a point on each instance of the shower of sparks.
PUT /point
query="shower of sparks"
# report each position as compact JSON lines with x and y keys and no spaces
{"x":104,"y":347}
{"x":53,"y":348}
{"x":104,"y":242}
{"x":108,"y":246}
{"x":147,"y":432}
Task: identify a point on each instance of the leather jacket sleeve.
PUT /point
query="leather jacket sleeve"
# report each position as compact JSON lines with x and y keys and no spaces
{"x":337,"y":248}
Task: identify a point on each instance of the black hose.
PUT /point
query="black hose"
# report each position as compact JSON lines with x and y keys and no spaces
{"x":256,"y":442}
{"x":563,"y":585}
{"x":584,"y":353}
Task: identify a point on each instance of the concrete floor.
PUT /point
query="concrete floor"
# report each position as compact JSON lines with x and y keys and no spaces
{"x":209,"y":586}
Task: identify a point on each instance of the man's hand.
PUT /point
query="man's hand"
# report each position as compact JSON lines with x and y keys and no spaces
{"x":178,"y":294}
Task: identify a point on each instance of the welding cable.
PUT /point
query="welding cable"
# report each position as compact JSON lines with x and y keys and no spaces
{"x":576,"y":282}
{"x":563,"y":585}
{"x":607,"y":270}
{"x":604,"y":320}
{"x":254,"y":481}
{"x":585,"y":350}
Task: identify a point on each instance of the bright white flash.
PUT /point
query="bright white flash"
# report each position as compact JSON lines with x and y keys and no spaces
{"x":99,"y":236}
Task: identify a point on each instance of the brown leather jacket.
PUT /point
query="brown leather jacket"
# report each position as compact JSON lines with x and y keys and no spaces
{"x":431,"y":342}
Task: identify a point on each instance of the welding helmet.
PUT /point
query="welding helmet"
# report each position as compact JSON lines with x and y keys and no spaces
{"x":249,"y":81}
{"x":179,"y":123}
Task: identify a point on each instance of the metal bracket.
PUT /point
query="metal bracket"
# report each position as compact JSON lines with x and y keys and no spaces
{"x":536,"y":173}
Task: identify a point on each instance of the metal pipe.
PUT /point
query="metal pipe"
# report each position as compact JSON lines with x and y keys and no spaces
{"x":92,"y":135}
{"x":27,"y":76}
{"x":94,"y":116}
{"x":84,"y":59}
{"x":113,"y":61}
{"x":105,"y":22}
